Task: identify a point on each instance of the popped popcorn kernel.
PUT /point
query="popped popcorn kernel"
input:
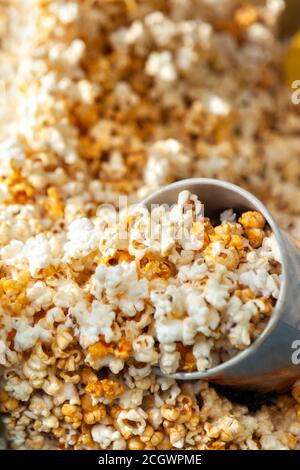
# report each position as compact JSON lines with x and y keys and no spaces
{"x":20,"y":189}
{"x":72,"y":415}
{"x":100,"y":349}
{"x":107,"y":388}
{"x":7,"y":403}
{"x":252,"y":219}
{"x":255,"y":236}
{"x":54,"y":204}
{"x":246,"y":15}
{"x":151,"y":267}
{"x":123,"y":349}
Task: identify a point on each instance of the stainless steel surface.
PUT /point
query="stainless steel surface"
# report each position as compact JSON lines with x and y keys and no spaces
{"x":267,"y":364}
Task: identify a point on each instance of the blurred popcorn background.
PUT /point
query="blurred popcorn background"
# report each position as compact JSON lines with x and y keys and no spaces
{"x":122,"y":97}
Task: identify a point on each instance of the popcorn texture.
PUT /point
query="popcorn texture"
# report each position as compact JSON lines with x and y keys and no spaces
{"x":120,"y":98}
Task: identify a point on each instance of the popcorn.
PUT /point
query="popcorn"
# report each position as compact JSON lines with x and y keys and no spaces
{"x":82,"y":239}
{"x":20,"y":390}
{"x":167,"y":159}
{"x":27,"y":336}
{"x":160,"y":64}
{"x":216,"y":294}
{"x":79,"y":306}
{"x":132,"y":421}
{"x":201,"y":351}
{"x":144,"y":351}
{"x":185,"y":307}
{"x":39,"y":295}
{"x":94,"y":323}
{"x":66,"y":13}
{"x":2,"y":353}
{"x":131,"y":399}
{"x":123,"y":290}
{"x":104,"y":435}
{"x":169,"y":359}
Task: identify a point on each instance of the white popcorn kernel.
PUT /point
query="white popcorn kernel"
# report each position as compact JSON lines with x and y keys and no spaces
{"x":271,"y":442}
{"x":115,"y":167}
{"x":201,"y":351}
{"x":228,"y":216}
{"x":114,"y":364}
{"x":93,"y":323}
{"x":160,"y":65}
{"x":120,"y":444}
{"x":51,"y":422}
{"x":67,"y":392}
{"x":20,"y":390}
{"x":82,"y":239}
{"x":12,"y":252}
{"x":140,"y":372}
{"x":169,"y":360}
{"x":4,"y":193}
{"x":131,"y":399}
{"x":172,"y":394}
{"x":38,"y":253}
{"x":26,"y":337}
{"x":144,"y":350}
{"x":67,"y":13}
{"x":216,"y":105}
{"x":161,"y":28}
{"x":169,"y":330}
{"x":39,"y":295}
{"x":122,"y":287}
{"x":104,"y":435}
{"x":132,"y":421}
{"x":155,"y":417}
{"x":216,"y":294}
{"x":55,"y":315}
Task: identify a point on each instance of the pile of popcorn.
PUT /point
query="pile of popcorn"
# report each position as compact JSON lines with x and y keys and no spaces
{"x":114,"y":98}
{"x":176,"y":290}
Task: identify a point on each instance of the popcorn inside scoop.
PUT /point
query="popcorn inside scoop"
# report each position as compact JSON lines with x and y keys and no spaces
{"x":187,"y":309}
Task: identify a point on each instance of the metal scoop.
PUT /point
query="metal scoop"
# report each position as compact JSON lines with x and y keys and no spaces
{"x":272,"y":362}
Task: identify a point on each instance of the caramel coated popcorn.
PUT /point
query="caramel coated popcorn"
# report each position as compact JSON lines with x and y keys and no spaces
{"x":189,"y":294}
{"x":119,"y":98}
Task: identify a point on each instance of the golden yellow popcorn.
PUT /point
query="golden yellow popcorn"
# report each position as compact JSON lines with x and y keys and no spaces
{"x":53,"y":204}
{"x":72,"y":415}
{"x":255,"y":236}
{"x":7,"y":403}
{"x":110,"y":389}
{"x":123,"y":349}
{"x":135,"y":443}
{"x":253,"y":223}
{"x":100,"y":349}
{"x":245,"y":294}
{"x":20,"y":189}
{"x":229,"y":257}
{"x":92,"y":413}
{"x":13,"y":293}
{"x":229,"y":233}
{"x":246,"y":15}
{"x":252,"y":219}
{"x":152,"y":266}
